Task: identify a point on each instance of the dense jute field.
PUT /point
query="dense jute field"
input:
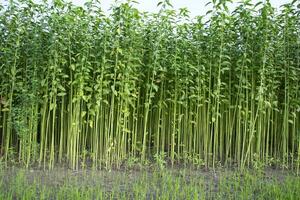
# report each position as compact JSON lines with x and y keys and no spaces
{"x":136,"y":105}
{"x":87,"y":90}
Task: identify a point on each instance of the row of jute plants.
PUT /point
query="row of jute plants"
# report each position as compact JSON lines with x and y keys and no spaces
{"x":78,"y":86}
